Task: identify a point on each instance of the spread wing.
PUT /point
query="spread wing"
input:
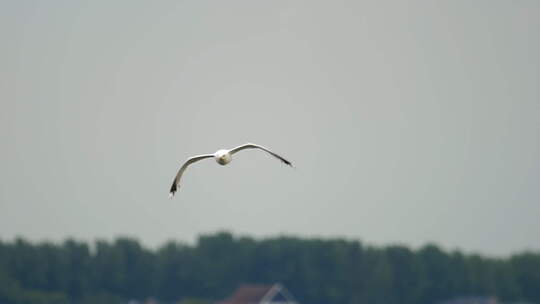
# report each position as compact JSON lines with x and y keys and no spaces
{"x":254,"y":146}
{"x":191,"y":160}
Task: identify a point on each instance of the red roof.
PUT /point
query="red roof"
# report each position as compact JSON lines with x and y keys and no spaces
{"x":247,"y":294}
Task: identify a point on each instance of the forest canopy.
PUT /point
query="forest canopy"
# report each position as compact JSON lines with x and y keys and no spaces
{"x":316,"y":271}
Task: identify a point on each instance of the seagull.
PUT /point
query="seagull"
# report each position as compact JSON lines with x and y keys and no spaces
{"x":222,"y":157}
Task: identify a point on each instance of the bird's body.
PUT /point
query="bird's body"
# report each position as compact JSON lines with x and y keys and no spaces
{"x":222,"y":157}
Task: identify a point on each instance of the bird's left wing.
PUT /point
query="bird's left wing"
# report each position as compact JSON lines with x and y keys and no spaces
{"x":254,"y":146}
{"x":191,"y":160}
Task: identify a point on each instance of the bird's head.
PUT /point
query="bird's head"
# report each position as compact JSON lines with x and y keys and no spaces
{"x":223,"y":157}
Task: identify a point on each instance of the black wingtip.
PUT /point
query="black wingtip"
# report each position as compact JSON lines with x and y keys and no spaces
{"x":172,"y":191}
{"x":286,"y":162}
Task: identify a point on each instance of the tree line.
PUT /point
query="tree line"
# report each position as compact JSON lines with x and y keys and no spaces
{"x":316,"y":271}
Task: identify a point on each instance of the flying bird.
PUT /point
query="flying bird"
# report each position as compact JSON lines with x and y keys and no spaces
{"x":222,"y":157}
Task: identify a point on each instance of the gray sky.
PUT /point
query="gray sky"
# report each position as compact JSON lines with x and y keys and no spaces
{"x":408,"y":121}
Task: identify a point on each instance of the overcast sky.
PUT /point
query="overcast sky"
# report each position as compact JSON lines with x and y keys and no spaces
{"x":408,"y":121}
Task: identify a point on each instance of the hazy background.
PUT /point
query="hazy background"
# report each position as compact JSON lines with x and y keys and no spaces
{"x":408,"y":122}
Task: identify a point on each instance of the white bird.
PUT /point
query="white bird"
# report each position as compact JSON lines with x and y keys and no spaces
{"x":222,"y":157}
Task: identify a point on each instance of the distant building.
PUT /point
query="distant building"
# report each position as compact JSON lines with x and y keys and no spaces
{"x":472,"y":300}
{"x":147,"y":301}
{"x":260,"y":294}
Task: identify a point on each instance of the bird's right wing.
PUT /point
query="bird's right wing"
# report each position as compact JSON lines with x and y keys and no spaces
{"x":191,"y":160}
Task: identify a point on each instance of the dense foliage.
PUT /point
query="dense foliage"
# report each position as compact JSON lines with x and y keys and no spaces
{"x":316,"y":271}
